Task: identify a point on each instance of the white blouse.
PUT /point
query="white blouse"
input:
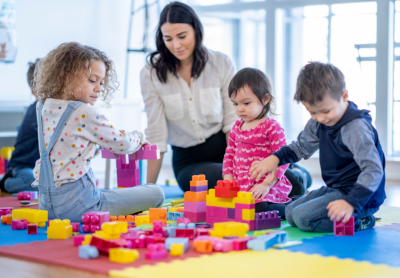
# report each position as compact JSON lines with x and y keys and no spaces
{"x":186,"y":116}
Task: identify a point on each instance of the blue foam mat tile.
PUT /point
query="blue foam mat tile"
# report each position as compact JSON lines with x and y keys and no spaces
{"x":172,"y":191}
{"x":10,"y":237}
{"x":377,"y":246}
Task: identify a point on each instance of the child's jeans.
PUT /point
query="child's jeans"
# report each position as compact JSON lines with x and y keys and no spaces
{"x":21,"y":180}
{"x":72,"y":200}
{"x":309,"y":212}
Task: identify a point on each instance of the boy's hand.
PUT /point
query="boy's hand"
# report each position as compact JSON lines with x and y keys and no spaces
{"x":340,"y":210}
{"x":228,"y":177}
{"x":259,"y":168}
{"x":260,"y":190}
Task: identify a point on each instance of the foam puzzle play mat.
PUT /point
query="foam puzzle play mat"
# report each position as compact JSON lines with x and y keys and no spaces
{"x":208,"y":233}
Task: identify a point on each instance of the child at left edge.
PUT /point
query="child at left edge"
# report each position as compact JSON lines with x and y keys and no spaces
{"x":254,"y":137}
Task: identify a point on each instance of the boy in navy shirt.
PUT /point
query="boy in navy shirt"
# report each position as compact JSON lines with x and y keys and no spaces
{"x":19,"y":175}
{"x":351,"y":157}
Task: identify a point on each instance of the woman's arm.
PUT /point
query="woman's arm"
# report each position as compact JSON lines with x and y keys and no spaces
{"x":153,"y":169}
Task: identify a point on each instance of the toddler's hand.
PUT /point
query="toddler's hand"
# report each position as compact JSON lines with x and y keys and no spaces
{"x":228,"y":177}
{"x":340,"y":210}
{"x":260,"y":190}
{"x":259,"y":168}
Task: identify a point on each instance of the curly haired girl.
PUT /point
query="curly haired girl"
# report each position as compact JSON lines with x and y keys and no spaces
{"x":68,"y":81}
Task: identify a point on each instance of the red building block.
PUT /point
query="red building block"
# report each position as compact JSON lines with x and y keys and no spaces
{"x":240,"y":243}
{"x":93,"y":220}
{"x":226,"y":189}
{"x":5,"y":210}
{"x":78,"y":239}
{"x":202,"y":232}
{"x":189,"y":233}
{"x":344,"y":229}
{"x":104,"y":245}
{"x":156,"y":251}
{"x":32,"y":229}
{"x":158,"y":214}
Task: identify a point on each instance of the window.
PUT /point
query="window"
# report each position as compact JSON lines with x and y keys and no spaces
{"x":396,"y":90}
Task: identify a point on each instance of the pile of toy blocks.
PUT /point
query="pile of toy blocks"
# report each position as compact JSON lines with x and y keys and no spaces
{"x":128,"y":171}
{"x":21,"y":219}
{"x":195,"y":199}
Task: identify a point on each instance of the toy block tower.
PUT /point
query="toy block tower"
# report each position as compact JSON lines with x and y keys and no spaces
{"x":128,"y":171}
{"x":195,"y":199}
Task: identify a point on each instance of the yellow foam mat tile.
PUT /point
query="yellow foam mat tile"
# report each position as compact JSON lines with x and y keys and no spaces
{"x":272,"y":263}
{"x":388,"y":214}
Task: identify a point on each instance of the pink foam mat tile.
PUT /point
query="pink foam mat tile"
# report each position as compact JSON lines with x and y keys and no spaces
{"x":14,"y":202}
{"x":64,"y":253}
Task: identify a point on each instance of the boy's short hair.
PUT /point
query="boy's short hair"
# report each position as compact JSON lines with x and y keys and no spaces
{"x":316,"y":80}
{"x":31,"y":72}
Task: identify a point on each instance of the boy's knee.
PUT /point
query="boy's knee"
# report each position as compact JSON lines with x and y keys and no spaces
{"x":299,"y":219}
{"x":288,"y":215}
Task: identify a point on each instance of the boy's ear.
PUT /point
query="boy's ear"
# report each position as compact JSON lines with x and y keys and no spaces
{"x":345,"y":95}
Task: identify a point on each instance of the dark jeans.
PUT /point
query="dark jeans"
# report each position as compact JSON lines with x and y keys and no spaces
{"x":207,"y":158}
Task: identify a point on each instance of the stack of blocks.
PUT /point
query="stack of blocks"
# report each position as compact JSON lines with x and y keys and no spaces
{"x":128,"y":171}
{"x":226,"y":203}
{"x":195,"y":199}
{"x":33,"y":216}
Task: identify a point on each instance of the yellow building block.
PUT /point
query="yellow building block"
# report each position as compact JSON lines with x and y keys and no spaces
{"x":177,"y":249}
{"x":248,"y":214}
{"x":213,"y":201}
{"x":123,"y":255}
{"x":116,"y":227}
{"x":175,"y":202}
{"x":59,"y":229}
{"x":6,"y":152}
{"x":244,"y":198}
{"x":87,"y":240}
{"x":33,"y":216}
{"x":107,"y":236}
{"x":172,"y":209}
{"x":142,"y":219}
{"x":229,"y":229}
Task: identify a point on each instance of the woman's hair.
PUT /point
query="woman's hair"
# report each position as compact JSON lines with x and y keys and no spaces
{"x":69,"y":65}
{"x":259,"y":83}
{"x":162,"y":60}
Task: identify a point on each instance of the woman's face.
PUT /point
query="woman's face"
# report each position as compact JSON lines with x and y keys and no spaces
{"x":180,"y":39}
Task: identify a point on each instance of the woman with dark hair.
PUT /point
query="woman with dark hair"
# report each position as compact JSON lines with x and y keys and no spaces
{"x":185,"y":91}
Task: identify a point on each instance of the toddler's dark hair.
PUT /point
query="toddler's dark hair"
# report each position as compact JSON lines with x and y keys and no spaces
{"x":316,"y":80}
{"x":31,"y":70}
{"x":259,"y":83}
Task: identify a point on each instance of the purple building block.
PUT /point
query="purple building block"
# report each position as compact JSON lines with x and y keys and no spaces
{"x":267,"y":220}
{"x":32,"y":229}
{"x":5,"y":210}
{"x":231,"y":213}
{"x":92,"y":220}
{"x":199,"y":188}
{"x":148,"y":152}
{"x":344,"y":229}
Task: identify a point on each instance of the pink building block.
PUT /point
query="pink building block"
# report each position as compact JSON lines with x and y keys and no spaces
{"x":344,"y":229}
{"x":32,"y":229}
{"x":105,"y":245}
{"x":183,"y":220}
{"x":158,"y":230}
{"x":19,"y":224}
{"x":5,"y":210}
{"x":107,"y":154}
{"x":267,"y":220}
{"x":25,"y":196}
{"x":202,"y":232}
{"x":148,"y":152}
{"x":240,"y":243}
{"x":78,"y":239}
{"x":92,"y":220}
{"x":195,"y":206}
{"x":218,"y":212}
{"x":128,"y":172}
{"x":195,"y":217}
{"x":219,"y":244}
{"x":156,"y":251}
{"x":75,"y":227}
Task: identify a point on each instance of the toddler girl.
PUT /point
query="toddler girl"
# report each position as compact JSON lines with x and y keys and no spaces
{"x":254,"y":137}
{"x":68,"y":81}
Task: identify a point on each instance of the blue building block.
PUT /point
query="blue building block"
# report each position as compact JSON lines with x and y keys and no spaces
{"x":173,"y":215}
{"x":171,"y":231}
{"x":172,"y":240}
{"x":263,"y":243}
{"x":88,"y":252}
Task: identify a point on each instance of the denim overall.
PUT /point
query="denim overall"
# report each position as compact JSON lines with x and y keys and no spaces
{"x":72,"y":200}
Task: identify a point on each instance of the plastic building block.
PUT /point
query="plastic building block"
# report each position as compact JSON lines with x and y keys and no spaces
{"x":158,"y":214}
{"x":59,"y":229}
{"x":27,"y":195}
{"x":244,"y":198}
{"x":33,"y":216}
{"x":218,"y":244}
{"x":148,"y":152}
{"x":123,"y":256}
{"x":248,"y":214}
{"x":226,"y":189}
{"x":142,"y":219}
{"x":195,"y":196}
{"x":155,"y":251}
{"x":203,"y":246}
{"x":171,"y":231}
{"x":202,"y":225}
{"x":231,"y":213}
{"x":181,"y":209}
{"x":267,"y":220}
{"x":113,"y":218}
{"x":287,"y":244}
{"x":107,"y":154}
{"x":93,"y":220}
{"x":172,"y":240}
{"x":19,"y":224}
{"x":104,"y":245}
{"x":262,"y":243}
{"x":175,"y":215}
{"x":177,"y":202}
{"x":6,"y":152}
{"x":344,"y":229}
{"x":32,"y":229}
{"x":183,"y":231}
{"x":88,"y":252}
{"x":229,"y":229}
{"x":5,"y":210}
{"x":8,"y":219}
{"x":158,"y":230}
{"x":198,"y":188}
{"x":75,"y":226}
{"x":240,"y":243}
{"x":78,"y":239}
{"x":217,"y":212}
{"x":176,"y":249}
{"x":182,"y":220}
{"x":87,"y":240}
{"x":198,"y":180}
{"x":195,"y":206}
{"x":2,"y":168}
{"x":202,"y":232}
{"x":214,"y":201}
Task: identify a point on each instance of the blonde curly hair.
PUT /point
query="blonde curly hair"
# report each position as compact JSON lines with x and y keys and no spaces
{"x":69,"y":65}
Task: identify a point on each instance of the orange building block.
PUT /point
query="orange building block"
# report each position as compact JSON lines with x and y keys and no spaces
{"x":9,"y":219}
{"x":113,"y":218}
{"x":199,"y":180}
{"x":203,"y":246}
{"x":195,"y":196}
{"x":158,"y":214}
{"x":180,"y":210}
